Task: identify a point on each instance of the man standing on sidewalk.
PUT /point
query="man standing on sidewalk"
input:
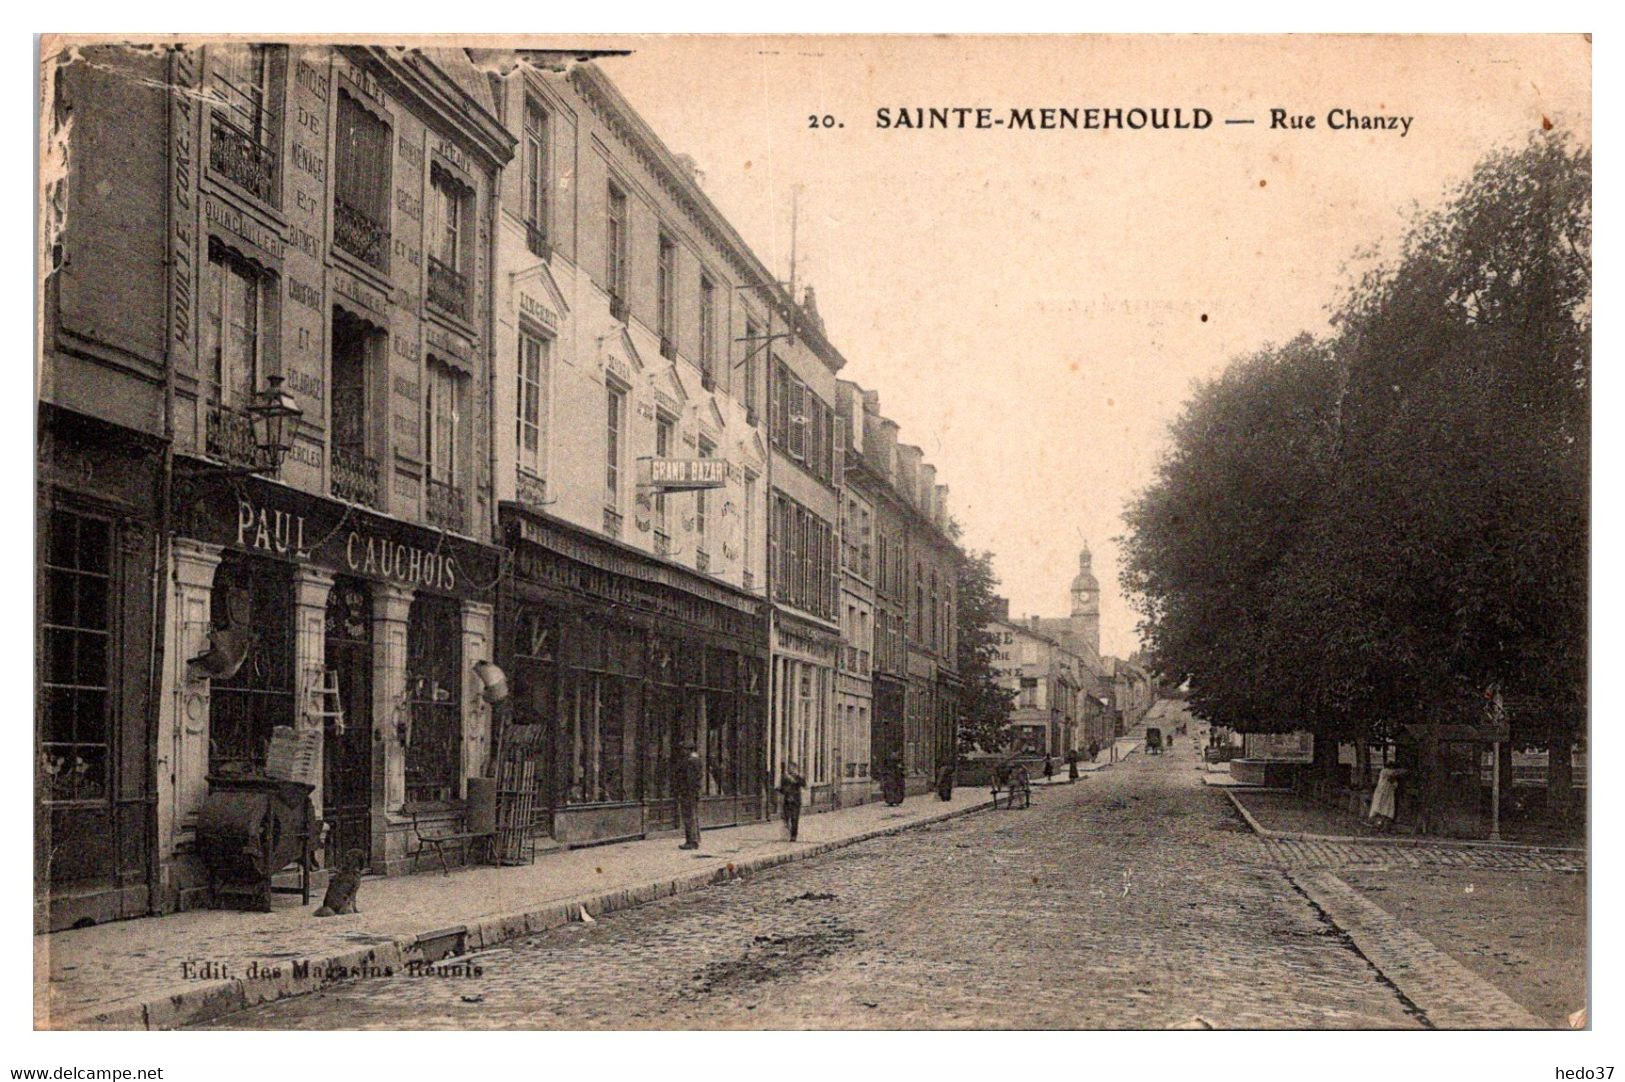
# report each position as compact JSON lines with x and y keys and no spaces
{"x":685,"y":785}
{"x":790,"y":798}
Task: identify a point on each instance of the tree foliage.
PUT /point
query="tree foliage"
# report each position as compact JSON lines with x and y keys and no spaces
{"x":1370,"y":529}
{"x":984,"y":705}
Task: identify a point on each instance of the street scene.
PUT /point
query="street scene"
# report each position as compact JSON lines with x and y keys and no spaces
{"x":727,"y":533}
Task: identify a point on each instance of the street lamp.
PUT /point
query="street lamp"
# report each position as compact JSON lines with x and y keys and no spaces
{"x":274,"y":415}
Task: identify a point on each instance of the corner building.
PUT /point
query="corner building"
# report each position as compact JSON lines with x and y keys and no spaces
{"x":331,"y":218}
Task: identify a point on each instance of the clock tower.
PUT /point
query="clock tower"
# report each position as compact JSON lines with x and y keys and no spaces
{"x":1086,"y":601}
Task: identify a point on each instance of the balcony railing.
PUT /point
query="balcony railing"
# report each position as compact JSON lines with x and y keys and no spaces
{"x":445,"y":506}
{"x":355,"y":477}
{"x":536,"y":240}
{"x":229,"y":436}
{"x":241,"y":159}
{"x":359,"y":235}
{"x":612,"y":522}
{"x":448,"y":289}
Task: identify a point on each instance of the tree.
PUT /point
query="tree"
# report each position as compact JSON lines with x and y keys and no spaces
{"x":984,"y":705}
{"x":1368,"y":530}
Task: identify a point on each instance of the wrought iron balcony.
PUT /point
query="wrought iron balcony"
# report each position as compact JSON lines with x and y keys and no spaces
{"x":229,"y":436}
{"x":355,"y":477}
{"x":241,"y":159}
{"x":448,"y":289}
{"x":445,"y":506}
{"x":536,"y":240}
{"x":359,"y":235}
{"x":612,"y":522}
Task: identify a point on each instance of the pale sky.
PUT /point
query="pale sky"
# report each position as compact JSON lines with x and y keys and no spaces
{"x":1029,"y":303}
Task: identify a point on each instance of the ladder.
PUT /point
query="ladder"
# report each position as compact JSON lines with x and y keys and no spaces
{"x":322,"y":702}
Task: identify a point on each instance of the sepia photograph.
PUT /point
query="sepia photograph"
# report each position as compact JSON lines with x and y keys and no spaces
{"x":812,"y":532}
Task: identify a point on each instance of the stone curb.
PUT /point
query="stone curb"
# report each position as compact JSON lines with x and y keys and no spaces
{"x":212,"y":999}
{"x":1386,"y":839}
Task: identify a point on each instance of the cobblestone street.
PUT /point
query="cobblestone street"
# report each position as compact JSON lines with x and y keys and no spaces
{"x":1134,"y":899}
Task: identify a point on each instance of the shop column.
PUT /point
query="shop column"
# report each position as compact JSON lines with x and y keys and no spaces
{"x":477,"y":645}
{"x":391,"y":606}
{"x":183,"y":724}
{"x":310,"y":589}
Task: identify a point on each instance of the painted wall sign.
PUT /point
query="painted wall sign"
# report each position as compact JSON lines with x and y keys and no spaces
{"x":182,"y":206}
{"x":232,"y":220}
{"x":538,"y":311}
{"x":299,"y":528}
{"x":350,"y":289}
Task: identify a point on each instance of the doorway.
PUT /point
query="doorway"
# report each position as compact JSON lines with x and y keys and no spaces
{"x":347,"y":744}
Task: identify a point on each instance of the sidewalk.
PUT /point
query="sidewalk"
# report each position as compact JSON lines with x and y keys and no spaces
{"x":129,"y":974}
{"x":1285,"y":815}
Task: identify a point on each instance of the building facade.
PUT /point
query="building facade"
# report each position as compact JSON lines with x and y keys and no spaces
{"x":1050,"y":711}
{"x":317,"y":221}
{"x":631,"y":468}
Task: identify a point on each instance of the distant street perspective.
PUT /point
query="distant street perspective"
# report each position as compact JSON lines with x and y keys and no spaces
{"x":1136,"y":898}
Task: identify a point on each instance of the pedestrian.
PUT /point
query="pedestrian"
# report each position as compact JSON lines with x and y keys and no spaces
{"x":685,"y":783}
{"x":1049,"y":768}
{"x":790,"y":785}
{"x":1094,"y":750}
{"x":1385,"y":799}
{"x":945,"y":781}
{"x":1072,"y":765}
{"x":892,"y":782}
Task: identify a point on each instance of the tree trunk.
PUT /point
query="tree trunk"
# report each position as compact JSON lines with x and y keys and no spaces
{"x":1362,"y":763}
{"x":1506,"y":779}
{"x":1559,"y":779}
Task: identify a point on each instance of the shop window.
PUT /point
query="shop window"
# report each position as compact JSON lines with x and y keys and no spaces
{"x":434,"y":692}
{"x":361,"y":183}
{"x":252,"y":607}
{"x":76,"y":629}
{"x":602,"y":701}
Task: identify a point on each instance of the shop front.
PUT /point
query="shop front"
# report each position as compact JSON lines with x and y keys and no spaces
{"x":615,"y":659}
{"x":293,"y":610}
{"x":94,"y":619}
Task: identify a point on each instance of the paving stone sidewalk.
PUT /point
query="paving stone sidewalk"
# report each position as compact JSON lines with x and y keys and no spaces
{"x":1445,"y":993}
{"x":128,"y":974}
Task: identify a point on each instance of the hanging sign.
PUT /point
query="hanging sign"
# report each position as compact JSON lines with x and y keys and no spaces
{"x":682,"y":474}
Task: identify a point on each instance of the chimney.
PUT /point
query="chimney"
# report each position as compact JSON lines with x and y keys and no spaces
{"x":907,"y":480}
{"x":928,"y":490}
{"x":881,"y":452}
{"x":942,"y":508}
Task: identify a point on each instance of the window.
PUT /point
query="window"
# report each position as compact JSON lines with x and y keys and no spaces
{"x":536,"y":170}
{"x":251,"y":605}
{"x":701,"y":506}
{"x":444,"y":403}
{"x":753,"y":343}
{"x":530,"y":401}
{"x":663,"y":433}
{"x":708,"y":328}
{"x":241,"y":141}
{"x":666,"y":297}
{"x":749,"y":530}
{"x":75,"y":656}
{"x":233,"y":312}
{"x":615,"y":252}
{"x":361,"y":186}
{"x":356,"y":347}
{"x":447,"y":236}
{"x":614,"y":420}
{"x":434,"y":682}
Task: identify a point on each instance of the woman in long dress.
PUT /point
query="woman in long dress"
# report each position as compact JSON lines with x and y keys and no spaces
{"x":1385,"y":800}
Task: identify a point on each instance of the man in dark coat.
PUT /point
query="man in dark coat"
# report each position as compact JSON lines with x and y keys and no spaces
{"x":685,"y":785}
{"x":790,"y":787}
{"x":1072,"y":764}
{"x":945,"y":781}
